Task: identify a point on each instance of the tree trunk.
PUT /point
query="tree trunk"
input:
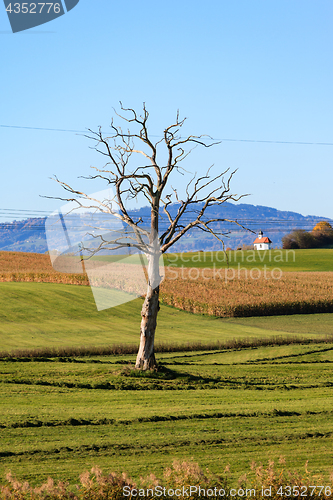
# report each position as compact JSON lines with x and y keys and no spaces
{"x":146,"y":357}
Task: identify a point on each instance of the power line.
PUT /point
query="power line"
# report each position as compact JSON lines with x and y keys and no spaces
{"x":14,"y":210}
{"x":136,"y":212}
{"x":299,"y":222}
{"x":273,"y":220}
{"x":261,"y":141}
{"x":267,"y":224}
{"x":44,"y":128}
{"x":278,"y":142}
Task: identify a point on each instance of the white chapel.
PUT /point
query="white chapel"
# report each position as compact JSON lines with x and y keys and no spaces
{"x":261,"y":242}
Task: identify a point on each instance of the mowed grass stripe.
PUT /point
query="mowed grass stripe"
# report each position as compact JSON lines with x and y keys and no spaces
{"x":56,"y":405}
{"x":213,"y":426}
{"x":211,"y":385}
{"x":74,"y":422}
{"x":37,"y":315}
{"x":162,"y":436}
{"x":227,"y":368}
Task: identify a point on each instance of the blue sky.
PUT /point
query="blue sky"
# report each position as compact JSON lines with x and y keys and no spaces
{"x":243,"y":70}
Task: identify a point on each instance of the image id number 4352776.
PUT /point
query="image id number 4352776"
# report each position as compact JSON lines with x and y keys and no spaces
{"x":304,"y":491}
{"x":33,"y":8}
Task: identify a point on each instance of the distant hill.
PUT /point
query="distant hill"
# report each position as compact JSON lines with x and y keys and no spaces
{"x":23,"y":236}
{"x":29,"y":235}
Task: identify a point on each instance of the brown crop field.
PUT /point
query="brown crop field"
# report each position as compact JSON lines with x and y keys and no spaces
{"x":204,"y":291}
{"x":245,"y":294}
{"x":20,"y":266}
{"x":20,"y":262}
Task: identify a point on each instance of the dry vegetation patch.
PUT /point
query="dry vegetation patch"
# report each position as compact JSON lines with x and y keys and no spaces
{"x":21,"y":262}
{"x":245,"y":295}
{"x":21,"y":266}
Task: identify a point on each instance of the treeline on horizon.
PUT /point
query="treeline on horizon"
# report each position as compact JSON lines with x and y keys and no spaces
{"x":321,"y":236}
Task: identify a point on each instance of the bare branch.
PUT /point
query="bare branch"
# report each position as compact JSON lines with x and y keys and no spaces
{"x":205,"y":190}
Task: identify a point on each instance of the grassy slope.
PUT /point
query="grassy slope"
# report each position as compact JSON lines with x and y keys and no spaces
{"x":44,"y":314}
{"x":286,"y":260}
{"x":216,"y":408}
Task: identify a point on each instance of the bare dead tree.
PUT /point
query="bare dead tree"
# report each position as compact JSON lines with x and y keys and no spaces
{"x":152,"y":180}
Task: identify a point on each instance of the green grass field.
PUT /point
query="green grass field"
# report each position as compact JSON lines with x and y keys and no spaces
{"x":286,"y":260}
{"x":60,"y":416}
{"x":37,"y":315}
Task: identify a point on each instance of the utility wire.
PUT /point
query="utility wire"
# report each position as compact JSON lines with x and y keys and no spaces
{"x":6,"y":212}
{"x":266,"y":221}
{"x":13,"y":211}
{"x":44,"y":128}
{"x":300,"y":143}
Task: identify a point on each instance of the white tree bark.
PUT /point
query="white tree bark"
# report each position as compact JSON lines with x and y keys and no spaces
{"x":146,"y":357}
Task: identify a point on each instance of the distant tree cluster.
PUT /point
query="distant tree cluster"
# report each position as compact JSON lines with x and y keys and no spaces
{"x":321,"y":236}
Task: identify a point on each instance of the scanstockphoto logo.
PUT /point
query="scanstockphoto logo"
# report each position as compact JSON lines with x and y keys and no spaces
{"x":24,"y":15}
{"x":88,"y":235}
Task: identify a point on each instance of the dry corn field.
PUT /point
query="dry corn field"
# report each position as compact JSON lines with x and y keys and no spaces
{"x":203,"y":291}
{"x":20,"y":266}
{"x":240,"y":294}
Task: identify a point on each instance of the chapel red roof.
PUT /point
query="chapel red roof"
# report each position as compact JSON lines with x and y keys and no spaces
{"x":262,"y":240}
